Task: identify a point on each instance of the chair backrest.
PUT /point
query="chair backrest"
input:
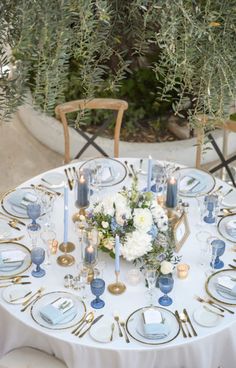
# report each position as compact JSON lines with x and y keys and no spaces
{"x":97,"y":103}
{"x":227,"y":126}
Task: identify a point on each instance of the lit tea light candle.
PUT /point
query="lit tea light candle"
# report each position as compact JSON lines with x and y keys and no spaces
{"x":182,"y":270}
{"x":171,"y":196}
{"x":53,"y":246}
{"x":89,"y":254}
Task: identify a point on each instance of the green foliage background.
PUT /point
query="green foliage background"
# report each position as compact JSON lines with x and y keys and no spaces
{"x":182,"y":50}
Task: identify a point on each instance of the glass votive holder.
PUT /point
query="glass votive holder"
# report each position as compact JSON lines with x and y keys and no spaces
{"x":182,"y":270}
{"x":134,"y":277}
{"x":68,"y":281}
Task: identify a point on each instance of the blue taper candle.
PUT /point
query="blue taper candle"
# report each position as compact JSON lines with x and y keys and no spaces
{"x":149,"y":174}
{"x":66,"y":217}
{"x":117,"y":254}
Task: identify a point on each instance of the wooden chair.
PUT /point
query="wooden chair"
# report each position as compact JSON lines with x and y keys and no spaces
{"x":228,"y":126}
{"x":97,"y":103}
{"x":27,"y":357}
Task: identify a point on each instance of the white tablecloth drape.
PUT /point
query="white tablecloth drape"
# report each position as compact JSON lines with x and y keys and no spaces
{"x":213,"y":347}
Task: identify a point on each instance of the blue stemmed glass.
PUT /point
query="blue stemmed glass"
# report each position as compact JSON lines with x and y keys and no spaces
{"x":34,"y":212}
{"x":166,"y":283}
{"x":218,"y":249}
{"x":97,"y":288}
{"x":37,"y":257}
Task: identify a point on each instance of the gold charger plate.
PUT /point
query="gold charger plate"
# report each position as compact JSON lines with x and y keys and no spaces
{"x":211,"y":289}
{"x":48,"y":298}
{"x":15,"y":270}
{"x":135,"y":319}
{"x":7,"y":207}
{"x":207,"y":186}
{"x":222,"y":229}
{"x":118,"y":171}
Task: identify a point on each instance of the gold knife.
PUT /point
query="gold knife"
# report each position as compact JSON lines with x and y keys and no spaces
{"x":189,"y":321}
{"x":68,"y":179}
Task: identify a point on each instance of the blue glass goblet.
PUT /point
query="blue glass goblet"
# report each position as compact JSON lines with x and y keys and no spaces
{"x":218,"y":249}
{"x":34,"y":212}
{"x":166,"y":283}
{"x":97,"y":288}
{"x":37,"y":257}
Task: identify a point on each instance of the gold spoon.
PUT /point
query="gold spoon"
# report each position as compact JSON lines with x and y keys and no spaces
{"x":89,"y":318}
{"x":183,"y":318}
{"x":116,"y":318}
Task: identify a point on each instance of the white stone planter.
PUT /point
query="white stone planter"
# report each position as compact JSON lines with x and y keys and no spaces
{"x":49,"y":132}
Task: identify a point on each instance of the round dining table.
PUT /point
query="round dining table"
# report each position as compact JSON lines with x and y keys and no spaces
{"x":213,"y":347}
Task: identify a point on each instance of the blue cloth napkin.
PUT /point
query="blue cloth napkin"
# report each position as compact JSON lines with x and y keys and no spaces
{"x":5,"y":266}
{"x":55,"y":316}
{"x":153,"y":330}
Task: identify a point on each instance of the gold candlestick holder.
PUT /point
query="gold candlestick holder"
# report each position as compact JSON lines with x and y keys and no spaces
{"x":117,"y":287}
{"x":66,"y":259}
{"x":77,"y":216}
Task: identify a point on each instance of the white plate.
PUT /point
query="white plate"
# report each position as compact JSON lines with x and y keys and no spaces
{"x":113,"y":171}
{"x":15,"y":268}
{"x":222,"y":227}
{"x":205,"y":182}
{"x":101,"y":331}
{"x":229,"y":200}
{"x":53,"y":180}
{"x":216,"y":294}
{"x":10,"y":208}
{"x":15,"y":291}
{"x":49,"y":298}
{"x":206,"y":318}
{"x":135,"y":320}
{"x":5,"y":230}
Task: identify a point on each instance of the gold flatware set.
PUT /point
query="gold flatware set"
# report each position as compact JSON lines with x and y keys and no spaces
{"x":218,"y":306}
{"x":185,"y":324}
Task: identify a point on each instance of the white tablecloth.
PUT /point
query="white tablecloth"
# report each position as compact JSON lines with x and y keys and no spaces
{"x":213,"y":347}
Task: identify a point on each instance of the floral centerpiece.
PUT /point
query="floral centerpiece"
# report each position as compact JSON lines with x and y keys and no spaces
{"x":142,"y":225}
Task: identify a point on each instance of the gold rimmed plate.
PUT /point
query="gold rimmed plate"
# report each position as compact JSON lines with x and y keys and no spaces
{"x":194,"y":182}
{"x":227,"y":227}
{"x":110,"y":171}
{"x":134,"y":326}
{"x":11,"y":201}
{"x":49,"y":298}
{"x":13,"y":268}
{"x":217,"y":294}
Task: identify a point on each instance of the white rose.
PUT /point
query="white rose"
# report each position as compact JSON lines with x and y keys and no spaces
{"x":166,"y":267}
{"x":143,"y":219}
{"x":105,"y":224}
{"x":108,"y":243}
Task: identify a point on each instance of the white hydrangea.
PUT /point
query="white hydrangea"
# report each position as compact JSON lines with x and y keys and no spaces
{"x":123,"y":211}
{"x":106,"y":206}
{"x":143,"y":220}
{"x":136,"y":245}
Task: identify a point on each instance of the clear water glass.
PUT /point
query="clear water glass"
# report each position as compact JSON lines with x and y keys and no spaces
{"x":48,"y":236}
{"x":151,"y":278}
